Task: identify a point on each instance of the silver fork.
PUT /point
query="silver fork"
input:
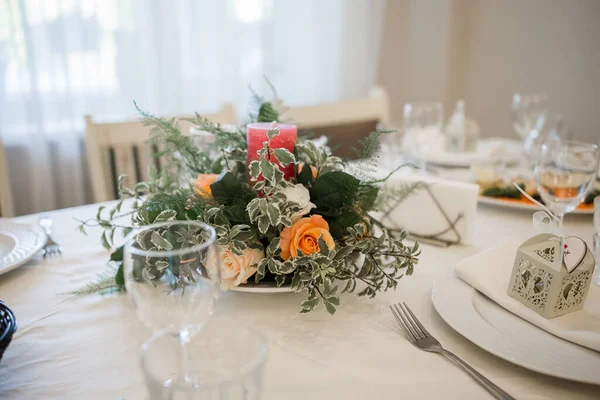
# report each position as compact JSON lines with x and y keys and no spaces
{"x":51,"y":247}
{"x":422,"y":339}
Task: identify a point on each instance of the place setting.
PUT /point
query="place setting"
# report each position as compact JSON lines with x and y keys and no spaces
{"x":21,"y":242}
{"x":535,"y":302}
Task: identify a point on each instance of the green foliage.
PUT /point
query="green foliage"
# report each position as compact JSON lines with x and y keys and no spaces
{"x":387,"y":259}
{"x":309,"y":153}
{"x":263,"y":110}
{"x":509,"y":191}
{"x":104,"y":284}
{"x":120,"y":276}
{"x":184,"y":203}
{"x":305,"y":176}
{"x":272,"y":212}
{"x":367,"y":196}
{"x":224,"y":137}
{"x":267,"y":113}
{"x":367,"y":155}
{"x":117,"y":255}
{"x":589,"y":199}
{"x":228,"y":191}
{"x":334,"y":192}
{"x":370,"y":146}
{"x":179,"y":150}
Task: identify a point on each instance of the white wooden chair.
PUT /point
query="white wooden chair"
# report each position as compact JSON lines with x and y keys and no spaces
{"x":6,"y":201}
{"x":114,"y":149}
{"x":346,"y":121}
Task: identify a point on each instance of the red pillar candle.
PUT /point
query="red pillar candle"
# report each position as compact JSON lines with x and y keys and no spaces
{"x":286,"y":139}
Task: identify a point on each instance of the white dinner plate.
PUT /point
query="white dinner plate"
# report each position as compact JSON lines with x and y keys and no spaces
{"x":510,"y":337}
{"x":510,"y":150}
{"x":18,"y":243}
{"x":495,"y":201}
{"x":261,"y":287}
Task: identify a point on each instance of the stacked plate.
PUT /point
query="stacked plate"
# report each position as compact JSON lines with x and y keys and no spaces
{"x":510,"y":337}
{"x":18,"y":243}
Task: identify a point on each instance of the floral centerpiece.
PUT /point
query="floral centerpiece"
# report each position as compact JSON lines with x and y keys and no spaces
{"x":285,"y":210}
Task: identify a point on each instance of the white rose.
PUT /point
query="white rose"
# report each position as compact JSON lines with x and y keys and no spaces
{"x":299,"y":194}
{"x":236,"y":269}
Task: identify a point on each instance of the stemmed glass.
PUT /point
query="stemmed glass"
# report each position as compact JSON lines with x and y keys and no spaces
{"x":565,"y":173}
{"x":529,"y":114}
{"x":596,"y":243}
{"x":554,"y":129}
{"x":422,"y":126}
{"x":172,"y":276}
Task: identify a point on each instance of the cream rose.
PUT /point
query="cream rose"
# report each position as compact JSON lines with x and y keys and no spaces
{"x":299,"y":194}
{"x":236,"y":269}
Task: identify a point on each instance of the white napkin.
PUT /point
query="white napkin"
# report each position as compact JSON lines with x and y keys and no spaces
{"x":489,"y":272}
{"x":420,"y":215}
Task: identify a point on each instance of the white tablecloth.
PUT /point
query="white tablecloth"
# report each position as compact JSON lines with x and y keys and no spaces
{"x":87,"y":348}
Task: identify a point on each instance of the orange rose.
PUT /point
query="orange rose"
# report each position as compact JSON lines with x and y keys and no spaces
{"x":203,"y":183}
{"x":312,"y":168}
{"x":304,"y":236}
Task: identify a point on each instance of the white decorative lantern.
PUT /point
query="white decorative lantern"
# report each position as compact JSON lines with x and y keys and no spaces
{"x":548,"y":283}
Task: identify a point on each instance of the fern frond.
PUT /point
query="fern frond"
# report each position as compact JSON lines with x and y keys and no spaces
{"x":104,"y":284}
{"x":179,"y":149}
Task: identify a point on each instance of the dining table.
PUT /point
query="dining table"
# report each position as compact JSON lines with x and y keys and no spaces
{"x":88,"y":347}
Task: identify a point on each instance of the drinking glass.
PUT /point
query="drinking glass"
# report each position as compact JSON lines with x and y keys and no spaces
{"x":529,"y":114}
{"x":488,"y":172}
{"x":225,"y":361}
{"x":565,"y":173}
{"x":172,"y":276}
{"x":597,"y":214}
{"x":596,"y":253}
{"x":422,"y":127}
{"x":553,"y":129}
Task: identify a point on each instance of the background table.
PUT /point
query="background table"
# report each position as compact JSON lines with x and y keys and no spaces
{"x":88,"y":347}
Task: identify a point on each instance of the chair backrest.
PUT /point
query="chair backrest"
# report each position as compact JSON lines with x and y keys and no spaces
{"x":114,"y":149}
{"x":6,"y":201}
{"x":344,"y":122}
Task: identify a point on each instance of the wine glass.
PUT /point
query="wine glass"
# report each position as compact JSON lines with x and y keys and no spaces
{"x":596,"y":243}
{"x":422,"y":126}
{"x":172,"y":276}
{"x":529,"y":114}
{"x":554,"y":129}
{"x":565,"y":173}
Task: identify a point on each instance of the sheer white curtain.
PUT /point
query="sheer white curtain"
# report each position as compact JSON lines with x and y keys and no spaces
{"x":61,"y":59}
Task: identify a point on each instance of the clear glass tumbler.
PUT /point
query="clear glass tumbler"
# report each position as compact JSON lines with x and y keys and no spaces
{"x":225,"y":361}
{"x":422,"y":126}
{"x":172,"y":275}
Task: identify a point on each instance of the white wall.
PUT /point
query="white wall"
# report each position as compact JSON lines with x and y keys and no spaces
{"x":485,"y":50}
